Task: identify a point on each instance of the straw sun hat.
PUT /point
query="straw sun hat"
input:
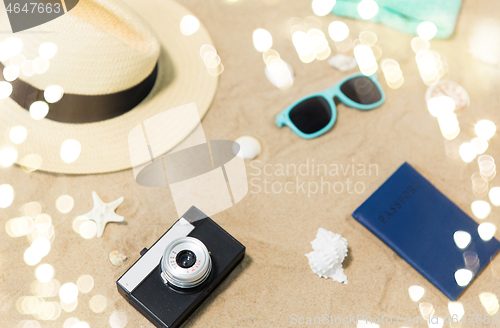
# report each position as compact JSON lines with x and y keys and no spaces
{"x":111,"y":57}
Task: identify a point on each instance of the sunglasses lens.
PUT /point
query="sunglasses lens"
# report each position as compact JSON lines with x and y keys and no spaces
{"x":361,"y":90}
{"x":311,"y":115}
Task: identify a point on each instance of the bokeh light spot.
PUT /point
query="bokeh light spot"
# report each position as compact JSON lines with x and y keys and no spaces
{"x":418,"y":44}
{"x":456,"y":310}
{"x":440,"y":105}
{"x":41,"y":246}
{"x":486,"y":231}
{"x":28,"y":68}
{"x":369,"y":37}
{"x":367,"y":9}
{"x":207,"y":49}
{"x":29,"y":324}
{"x":77,"y":222}
{"x":467,"y":152}
{"x":392,"y":73}
{"x":48,"y":311}
{"x":70,"y":322}
{"x":480,"y":144}
{"x":365,"y":58}
{"x":43,"y":222}
{"x":70,"y":150}
{"x":65,"y":203}
{"x":47,"y":50}
{"x":485,"y":129}
{"x":430,"y":66}
{"x":68,"y":293}
{"x":118,"y":320}
{"x":38,"y":110}
{"x":81,"y":324}
{"x":31,"y":209}
{"x":85,"y":283}
{"x":15,"y":45}
{"x":448,"y":125}
{"x":463,"y":277}
{"x":11,"y":73}
{"x":278,"y":72}
{"x":44,"y":272}
{"x":322,"y":7}
{"x":4,"y":52}
{"x":5,"y":89}
{"x":338,"y":31}
{"x":416,"y":292}
{"x":98,"y":303}
{"x":6,"y":195}
{"x":480,"y":209}
{"x":53,"y":93}
{"x":489,"y":302}
{"x":494,"y":195}
{"x":462,"y":239}
{"x":17,"y":60}
{"x":18,"y":227}
{"x":189,"y":25}
{"x":41,"y":65}
{"x":47,"y":289}
{"x":31,"y":256}
{"x":18,"y":134}
{"x":29,"y":304}
{"x":426,"y":30}
{"x":88,"y":229}
{"x":262,"y":40}
{"x":69,"y":307}
{"x":31,"y":162}
{"x":8,"y":156}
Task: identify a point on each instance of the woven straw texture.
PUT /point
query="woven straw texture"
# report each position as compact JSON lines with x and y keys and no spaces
{"x":123,"y":55}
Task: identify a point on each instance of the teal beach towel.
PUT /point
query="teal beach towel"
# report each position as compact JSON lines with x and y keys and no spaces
{"x":406,"y":15}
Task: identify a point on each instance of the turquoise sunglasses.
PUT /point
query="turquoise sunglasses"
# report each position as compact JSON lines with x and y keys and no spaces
{"x":314,"y":115}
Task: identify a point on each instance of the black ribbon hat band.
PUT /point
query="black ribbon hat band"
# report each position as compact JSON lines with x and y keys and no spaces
{"x":74,"y":108}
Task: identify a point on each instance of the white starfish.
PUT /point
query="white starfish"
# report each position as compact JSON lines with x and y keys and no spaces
{"x":102,"y":213}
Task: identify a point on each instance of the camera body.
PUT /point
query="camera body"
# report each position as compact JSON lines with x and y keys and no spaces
{"x":173,"y":277}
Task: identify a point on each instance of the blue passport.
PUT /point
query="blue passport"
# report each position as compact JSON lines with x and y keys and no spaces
{"x":418,"y":222}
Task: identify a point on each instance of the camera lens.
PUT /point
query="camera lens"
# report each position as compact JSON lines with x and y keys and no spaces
{"x":186,"y":259}
{"x":186,"y":263}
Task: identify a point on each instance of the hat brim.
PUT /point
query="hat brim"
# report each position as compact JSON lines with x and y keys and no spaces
{"x":182,"y":78}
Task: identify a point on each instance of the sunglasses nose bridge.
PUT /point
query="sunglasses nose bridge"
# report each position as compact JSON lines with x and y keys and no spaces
{"x":330,"y":93}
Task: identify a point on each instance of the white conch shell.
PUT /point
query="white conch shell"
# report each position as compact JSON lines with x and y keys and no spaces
{"x":330,"y":250}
